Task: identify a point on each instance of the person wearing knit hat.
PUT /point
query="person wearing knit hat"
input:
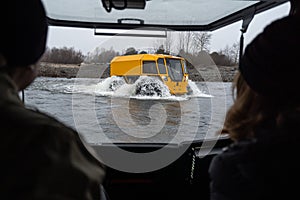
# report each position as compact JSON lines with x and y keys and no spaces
{"x":41,"y":158}
{"x":263,"y":122}
{"x":269,"y":63}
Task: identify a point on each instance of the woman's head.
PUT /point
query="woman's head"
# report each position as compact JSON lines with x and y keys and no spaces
{"x":269,"y":64}
{"x":267,"y":83}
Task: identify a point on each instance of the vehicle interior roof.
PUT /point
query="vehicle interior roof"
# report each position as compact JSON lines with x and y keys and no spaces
{"x":178,"y":15}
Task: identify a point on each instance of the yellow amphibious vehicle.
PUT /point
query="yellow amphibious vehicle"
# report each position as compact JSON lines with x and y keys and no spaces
{"x":171,"y":70}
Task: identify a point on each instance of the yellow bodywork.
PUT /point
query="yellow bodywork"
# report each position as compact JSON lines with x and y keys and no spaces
{"x":126,"y":65}
{"x":132,"y":65}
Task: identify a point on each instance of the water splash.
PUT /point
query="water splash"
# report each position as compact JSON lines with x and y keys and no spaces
{"x":145,"y":87}
{"x":195,"y":91}
{"x":151,"y":86}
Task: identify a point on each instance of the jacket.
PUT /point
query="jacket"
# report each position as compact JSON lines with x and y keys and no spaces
{"x":42,"y":158}
{"x":265,"y":167}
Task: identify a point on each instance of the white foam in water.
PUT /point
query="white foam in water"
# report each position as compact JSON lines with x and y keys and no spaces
{"x":196,"y":91}
{"x":116,"y":86}
{"x":151,"y":86}
{"x":110,"y":84}
{"x":77,"y":89}
{"x":125,"y":90}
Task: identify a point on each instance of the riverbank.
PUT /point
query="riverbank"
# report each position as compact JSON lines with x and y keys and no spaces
{"x":58,"y":70}
{"x":207,"y":73}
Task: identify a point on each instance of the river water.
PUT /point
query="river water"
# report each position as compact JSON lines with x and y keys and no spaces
{"x":107,"y":110}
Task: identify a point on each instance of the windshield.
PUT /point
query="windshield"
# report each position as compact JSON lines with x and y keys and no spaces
{"x":174,"y":69}
{"x":167,"y":12}
{"x":185,"y":67}
{"x":76,"y":86}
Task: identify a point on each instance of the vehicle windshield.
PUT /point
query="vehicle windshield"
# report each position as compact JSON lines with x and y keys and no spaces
{"x":75,"y":83}
{"x":185,"y":67}
{"x":174,"y":69}
{"x":167,"y":12}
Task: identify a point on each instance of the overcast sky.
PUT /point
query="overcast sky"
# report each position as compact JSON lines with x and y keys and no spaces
{"x":85,"y":41}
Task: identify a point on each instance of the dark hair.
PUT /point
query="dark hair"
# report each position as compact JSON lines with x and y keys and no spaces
{"x":248,"y":111}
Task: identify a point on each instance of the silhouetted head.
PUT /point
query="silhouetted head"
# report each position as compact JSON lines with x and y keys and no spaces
{"x":23,"y":32}
{"x":270,"y":64}
{"x":267,"y":85}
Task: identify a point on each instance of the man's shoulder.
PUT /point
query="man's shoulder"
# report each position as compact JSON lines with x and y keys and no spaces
{"x":17,"y":118}
{"x":46,"y":119}
{"x":53,"y":128}
{"x":50,"y":125}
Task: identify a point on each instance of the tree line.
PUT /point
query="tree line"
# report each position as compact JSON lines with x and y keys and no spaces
{"x":184,"y":43}
{"x":195,"y":43}
{"x":63,"y":55}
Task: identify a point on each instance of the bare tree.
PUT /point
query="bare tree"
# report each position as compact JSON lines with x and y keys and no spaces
{"x":181,"y":42}
{"x":63,"y":55}
{"x":188,"y":41}
{"x":167,"y":43}
{"x":231,"y":53}
{"x":185,"y":40}
{"x":201,"y":41}
{"x":101,"y":55}
{"x":236,"y":52}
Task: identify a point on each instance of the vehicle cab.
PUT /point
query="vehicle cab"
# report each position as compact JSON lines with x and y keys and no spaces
{"x":171,"y":70}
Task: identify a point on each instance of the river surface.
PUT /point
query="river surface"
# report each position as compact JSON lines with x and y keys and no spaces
{"x":108,"y":110}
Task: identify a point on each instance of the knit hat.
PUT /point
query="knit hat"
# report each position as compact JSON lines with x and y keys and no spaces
{"x":23,"y":32}
{"x":270,"y":64}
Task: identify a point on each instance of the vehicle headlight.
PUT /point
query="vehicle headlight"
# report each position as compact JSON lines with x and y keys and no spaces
{"x":164,"y":78}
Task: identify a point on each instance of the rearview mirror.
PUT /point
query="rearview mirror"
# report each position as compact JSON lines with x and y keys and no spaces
{"x":123,"y":4}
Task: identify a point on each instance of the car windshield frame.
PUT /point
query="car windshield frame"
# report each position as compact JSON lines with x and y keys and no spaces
{"x":66,"y":19}
{"x":92,"y":14}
